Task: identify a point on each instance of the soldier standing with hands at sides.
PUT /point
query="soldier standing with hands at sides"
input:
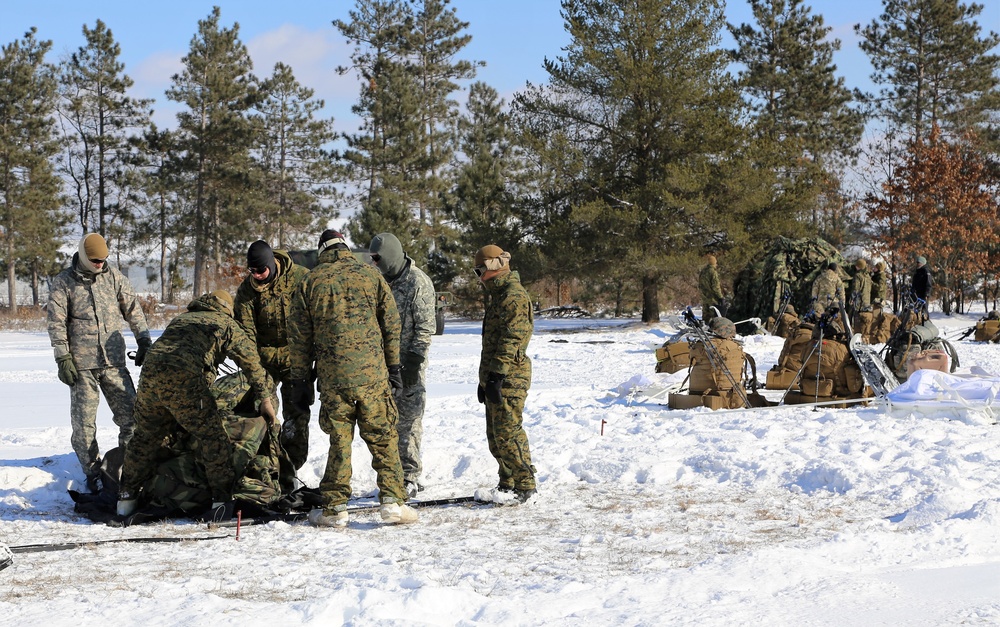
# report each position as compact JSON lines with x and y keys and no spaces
{"x":87,"y":303}
{"x":414,"y":295}
{"x":710,"y":288}
{"x":263,"y":303}
{"x":174,"y":396}
{"x":505,"y":370}
{"x":344,"y":320}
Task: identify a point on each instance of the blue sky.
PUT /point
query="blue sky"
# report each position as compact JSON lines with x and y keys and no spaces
{"x":511,"y":36}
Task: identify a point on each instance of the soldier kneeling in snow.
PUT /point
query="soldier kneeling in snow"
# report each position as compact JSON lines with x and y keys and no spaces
{"x":174,"y":397}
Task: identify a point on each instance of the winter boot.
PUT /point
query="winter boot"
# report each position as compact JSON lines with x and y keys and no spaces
{"x":319,"y":518}
{"x":397,"y":513}
{"x":126,"y":504}
{"x":522,"y":496}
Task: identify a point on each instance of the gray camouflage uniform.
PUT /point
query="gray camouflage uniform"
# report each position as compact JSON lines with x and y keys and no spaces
{"x":174,"y":393}
{"x":86,"y":312}
{"x":345,"y":320}
{"x":414,"y":295}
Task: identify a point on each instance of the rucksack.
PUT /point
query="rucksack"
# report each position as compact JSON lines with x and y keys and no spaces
{"x":908,"y":343}
{"x":716,"y":374}
{"x":675,"y":354}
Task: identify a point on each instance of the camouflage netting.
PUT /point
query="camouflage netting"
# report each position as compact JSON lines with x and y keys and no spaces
{"x":795,"y":263}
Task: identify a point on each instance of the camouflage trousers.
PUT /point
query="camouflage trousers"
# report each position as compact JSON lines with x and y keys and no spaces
{"x":508,"y":442}
{"x":119,"y":391}
{"x":294,"y":430}
{"x":170,"y":402}
{"x":410,"y":401}
{"x":373,"y":410}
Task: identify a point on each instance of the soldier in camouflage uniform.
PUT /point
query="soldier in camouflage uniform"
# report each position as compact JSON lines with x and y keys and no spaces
{"x":345,"y":320}
{"x":414,"y":296}
{"x":880,"y":285}
{"x":827,"y":289}
{"x":263,"y":302}
{"x":710,"y":288}
{"x":861,"y":287}
{"x":505,"y":370}
{"x":87,"y":303}
{"x":174,"y":395}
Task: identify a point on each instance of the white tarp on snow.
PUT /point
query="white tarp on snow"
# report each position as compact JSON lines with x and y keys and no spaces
{"x":935,"y":393}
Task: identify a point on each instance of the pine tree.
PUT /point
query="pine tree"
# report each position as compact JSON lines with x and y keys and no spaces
{"x":802,"y":109}
{"x":98,"y":119}
{"x":933,"y":66}
{"x":643,"y":98}
{"x":292,"y":160}
{"x":30,"y":219}
{"x":434,"y":43}
{"x":480,"y":202}
{"x":215,"y":136}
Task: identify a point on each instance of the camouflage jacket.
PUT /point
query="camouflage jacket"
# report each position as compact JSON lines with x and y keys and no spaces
{"x":507,"y":328}
{"x":86,"y":316}
{"x":709,"y":285}
{"x":197,"y":341}
{"x":414,"y":295}
{"x":861,"y":289}
{"x":880,"y":287}
{"x":828,"y":288}
{"x":345,"y":319}
{"x":263,"y":309}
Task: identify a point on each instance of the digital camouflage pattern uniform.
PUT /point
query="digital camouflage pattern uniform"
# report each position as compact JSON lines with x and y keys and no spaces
{"x":174,"y":393}
{"x":345,"y":320}
{"x":827,"y":289}
{"x":711,"y":291}
{"x":414,"y":295}
{"x":507,"y":328}
{"x":263,"y":309}
{"x":85,"y":319}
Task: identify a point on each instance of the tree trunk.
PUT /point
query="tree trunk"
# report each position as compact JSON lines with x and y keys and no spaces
{"x":11,"y":282}
{"x":650,"y":299}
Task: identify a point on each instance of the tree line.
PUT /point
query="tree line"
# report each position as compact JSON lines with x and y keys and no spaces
{"x":649,"y":145}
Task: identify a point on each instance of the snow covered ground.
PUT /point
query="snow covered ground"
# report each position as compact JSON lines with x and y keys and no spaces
{"x":780,"y":516}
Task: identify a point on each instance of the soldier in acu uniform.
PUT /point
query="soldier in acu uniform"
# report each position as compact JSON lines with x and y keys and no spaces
{"x":414,"y":296}
{"x":87,"y":303}
{"x":263,"y":303}
{"x":345,"y":320}
{"x":505,"y":370}
{"x":174,"y":396}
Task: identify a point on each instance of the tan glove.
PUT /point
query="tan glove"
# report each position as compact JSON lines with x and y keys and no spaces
{"x":267,"y":411}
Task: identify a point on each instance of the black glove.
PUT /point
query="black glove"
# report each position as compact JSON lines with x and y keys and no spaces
{"x":395,"y":377}
{"x":481,"y":394}
{"x":140,"y":353}
{"x":67,"y":370}
{"x":301,"y":394}
{"x":411,"y":368}
{"x":494,"y":382}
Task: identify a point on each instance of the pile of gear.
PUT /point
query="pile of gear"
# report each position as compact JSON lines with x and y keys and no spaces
{"x":180,"y":488}
{"x":721,"y":375}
